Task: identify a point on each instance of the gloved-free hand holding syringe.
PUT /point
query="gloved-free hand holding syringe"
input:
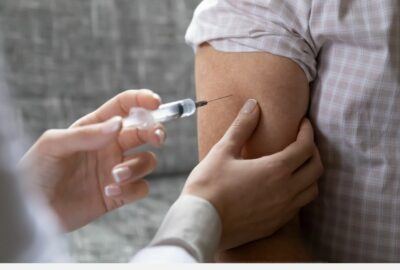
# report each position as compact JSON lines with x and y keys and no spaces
{"x":142,"y":119}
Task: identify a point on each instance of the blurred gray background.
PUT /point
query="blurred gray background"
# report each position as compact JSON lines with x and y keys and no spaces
{"x":64,"y":58}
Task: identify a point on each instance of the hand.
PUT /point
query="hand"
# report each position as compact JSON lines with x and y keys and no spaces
{"x":256,"y":197}
{"x":74,"y":168}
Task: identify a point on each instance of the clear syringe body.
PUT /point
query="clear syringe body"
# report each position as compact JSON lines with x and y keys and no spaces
{"x":143,"y":119}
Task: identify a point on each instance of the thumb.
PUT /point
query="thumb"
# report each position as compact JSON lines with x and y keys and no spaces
{"x":83,"y":138}
{"x":242,"y":127}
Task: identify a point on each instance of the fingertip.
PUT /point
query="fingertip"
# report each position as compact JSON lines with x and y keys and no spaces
{"x":157,"y":97}
{"x":139,"y":98}
{"x":306,"y":130}
{"x":250,"y":111}
{"x":112,"y":191}
{"x":155,"y":136}
{"x":160,"y":136}
{"x":142,"y":190}
{"x":242,"y":127}
{"x":149,"y":99}
{"x":147,"y":161}
{"x":249,"y":106}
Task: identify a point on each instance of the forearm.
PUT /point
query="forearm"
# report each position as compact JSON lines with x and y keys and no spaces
{"x":281,"y":89}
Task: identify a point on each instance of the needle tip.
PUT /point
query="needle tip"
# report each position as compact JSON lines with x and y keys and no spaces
{"x":202,"y":103}
{"x":220,"y":98}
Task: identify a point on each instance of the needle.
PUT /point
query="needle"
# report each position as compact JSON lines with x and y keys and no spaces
{"x":202,"y":103}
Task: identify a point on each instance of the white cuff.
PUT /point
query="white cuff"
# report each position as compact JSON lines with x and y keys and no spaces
{"x":193,"y":224}
{"x":163,"y":254}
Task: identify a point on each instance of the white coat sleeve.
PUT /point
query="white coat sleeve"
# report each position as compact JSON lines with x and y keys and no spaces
{"x":190,"y":232}
{"x":28,"y":230}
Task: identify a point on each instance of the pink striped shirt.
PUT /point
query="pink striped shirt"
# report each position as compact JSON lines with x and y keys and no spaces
{"x":350,"y":53}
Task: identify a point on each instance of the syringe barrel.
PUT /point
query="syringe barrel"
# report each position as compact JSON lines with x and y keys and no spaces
{"x":143,"y":119}
{"x":174,"y":110}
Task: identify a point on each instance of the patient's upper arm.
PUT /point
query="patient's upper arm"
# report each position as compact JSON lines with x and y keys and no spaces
{"x":281,"y":88}
{"x":277,"y":83}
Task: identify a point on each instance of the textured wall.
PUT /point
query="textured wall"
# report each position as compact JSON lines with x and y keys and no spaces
{"x":66,"y":57}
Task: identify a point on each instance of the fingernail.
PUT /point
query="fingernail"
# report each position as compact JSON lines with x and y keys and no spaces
{"x":112,"y":125}
{"x":156,"y":96}
{"x":112,"y":191}
{"x":122,"y":173}
{"x":160,"y":135}
{"x":249,"y":106}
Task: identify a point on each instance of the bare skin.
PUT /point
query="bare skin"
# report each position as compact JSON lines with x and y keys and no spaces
{"x":281,"y":88}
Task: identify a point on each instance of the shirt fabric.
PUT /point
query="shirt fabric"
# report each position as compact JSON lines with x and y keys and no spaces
{"x":350,"y":52}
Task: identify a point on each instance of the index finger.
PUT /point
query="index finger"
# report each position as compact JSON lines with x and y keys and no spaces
{"x":121,"y":104}
{"x":297,"y":153}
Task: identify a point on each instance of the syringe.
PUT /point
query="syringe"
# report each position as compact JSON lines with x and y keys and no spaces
{"x":142,"y":118}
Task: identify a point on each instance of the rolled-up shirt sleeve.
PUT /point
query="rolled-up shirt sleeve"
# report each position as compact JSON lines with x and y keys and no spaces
{"x":278,"y":27}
